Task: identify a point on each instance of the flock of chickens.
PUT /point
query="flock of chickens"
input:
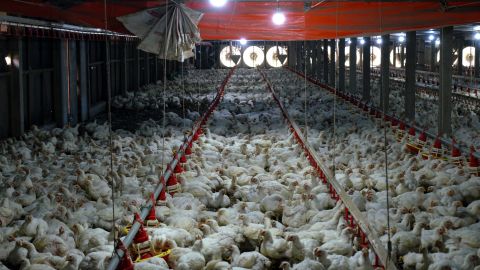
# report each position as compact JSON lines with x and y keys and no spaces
{"x":249,"y":198}
{"x":435,"y":205}
{"x":465,"y":118}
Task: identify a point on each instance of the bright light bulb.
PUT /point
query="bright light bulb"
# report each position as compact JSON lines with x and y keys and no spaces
{"x":401,"y":38}
{"x":243,"y":41}
{"x":362,"y":41}
{"x":431,"y":37}
{"x":476,"y":36}
{"x":8,"y":60}
{"x":349,"y":41}
{"x":218,"y":3}
{"x":278,"y":18}
{"x":379,"y":41}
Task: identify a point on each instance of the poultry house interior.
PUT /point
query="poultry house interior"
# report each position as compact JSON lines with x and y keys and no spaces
{"x":239,"y":134}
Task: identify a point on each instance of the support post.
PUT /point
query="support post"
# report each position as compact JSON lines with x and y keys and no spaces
{"x":352,"y":82}
{"x":394,"y":54}
{"x":147,"y":67}
{"x":402,"y":56}
{"x":17,"y":123}
{"x":459,"y":46}
{"x":318,"y":67}
{"x":432,"y":56}
{"x":325,"y":61}
{"x":136,"y":70}
{"x":83,"y":81}
{"x":421,"y":53}
{"x":445,"y":90}
{"x":410,"y":76}
{"x":385,"y":74}
{"x":477,"y":59}
{"x":341,"y":65}
{"x":125,"y":70}
{"x":73,"y":86}
{"x":314,"y":50}
{"x":61,"y":91}
{"x":366,"y":69}
{"x":332,"y":71}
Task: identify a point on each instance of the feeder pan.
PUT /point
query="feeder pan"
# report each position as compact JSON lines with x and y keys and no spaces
{"x":151,"y":220}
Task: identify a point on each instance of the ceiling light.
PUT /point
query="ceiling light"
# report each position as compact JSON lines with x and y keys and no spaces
{"x":278,"y":18}
{"x":349,"y":41}
{"x":362,"y":41}
{"x":218,"y":3}
{"x":379,"y":41}
{"x":476,"y":36}
{"x":401,"y":39}
{"x":243,"y":41}
{"x":431,"y":37}
{"x":8,"y":60}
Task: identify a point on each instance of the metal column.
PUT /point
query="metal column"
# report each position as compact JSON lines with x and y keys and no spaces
{"x":352,"y":82}
{"x":17,"y":123}
{"x":332,"y":70}
{"x":82,"y":73}
{"x":313,"y":47}
{"x":402,"y":56}
{"x":445,"y":91}
{"x":477,"y":59}
{"x":460,"y":56}
{"x":410,"y":76}
{"x":432,"y":56}
{"x":341,"y":65}
{"x":325,"y":61}
{"x":366,"y":69}
{"x":385,"y":73}
{"x":136,"y":68}
{"x":318,"y":67}
{"x":72,"y":82}
{"x":125,"y":69}
{"x":421,"y":52}
{"x":61,"y":90}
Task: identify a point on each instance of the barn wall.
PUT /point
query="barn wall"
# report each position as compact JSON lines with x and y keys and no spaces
{"x":55,"y":82}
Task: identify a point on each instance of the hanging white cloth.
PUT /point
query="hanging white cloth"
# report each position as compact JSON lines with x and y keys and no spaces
{"x":171,"y":32}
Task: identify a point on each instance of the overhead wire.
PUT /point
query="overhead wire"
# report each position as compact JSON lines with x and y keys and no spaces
{"x":164,"y":90}
{"x":110,"y":131}
{"x":332,"y":58}
{"x":384,"y":109}
{"x":305,"y":88}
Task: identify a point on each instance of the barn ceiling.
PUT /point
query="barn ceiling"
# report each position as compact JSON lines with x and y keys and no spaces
{"x":251,"y":19}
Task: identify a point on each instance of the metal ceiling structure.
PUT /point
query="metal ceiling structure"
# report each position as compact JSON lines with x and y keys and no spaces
{"x":251,"y":19}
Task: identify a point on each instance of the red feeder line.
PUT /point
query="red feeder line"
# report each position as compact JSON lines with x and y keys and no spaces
{"x":363,"y":239}
{"x":126,"y":262}
{"x":141,"y":239}
{"x":178,"y":168}
{"x":183,"y":159}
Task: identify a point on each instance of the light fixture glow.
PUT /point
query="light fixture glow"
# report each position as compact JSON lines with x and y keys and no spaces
{"x":401,"y":39}
{"x":476,"y":36}
{"x":218,"y":3}
{"x":379,"y":41}
{"x":243,"y":41}
{"x":476,"y":28}
{"x":8,"y":60}
{"x":349,"y":41}
{"x":431,"y":37}
{"x":362,"y":41}
{"x":278,"y":18}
